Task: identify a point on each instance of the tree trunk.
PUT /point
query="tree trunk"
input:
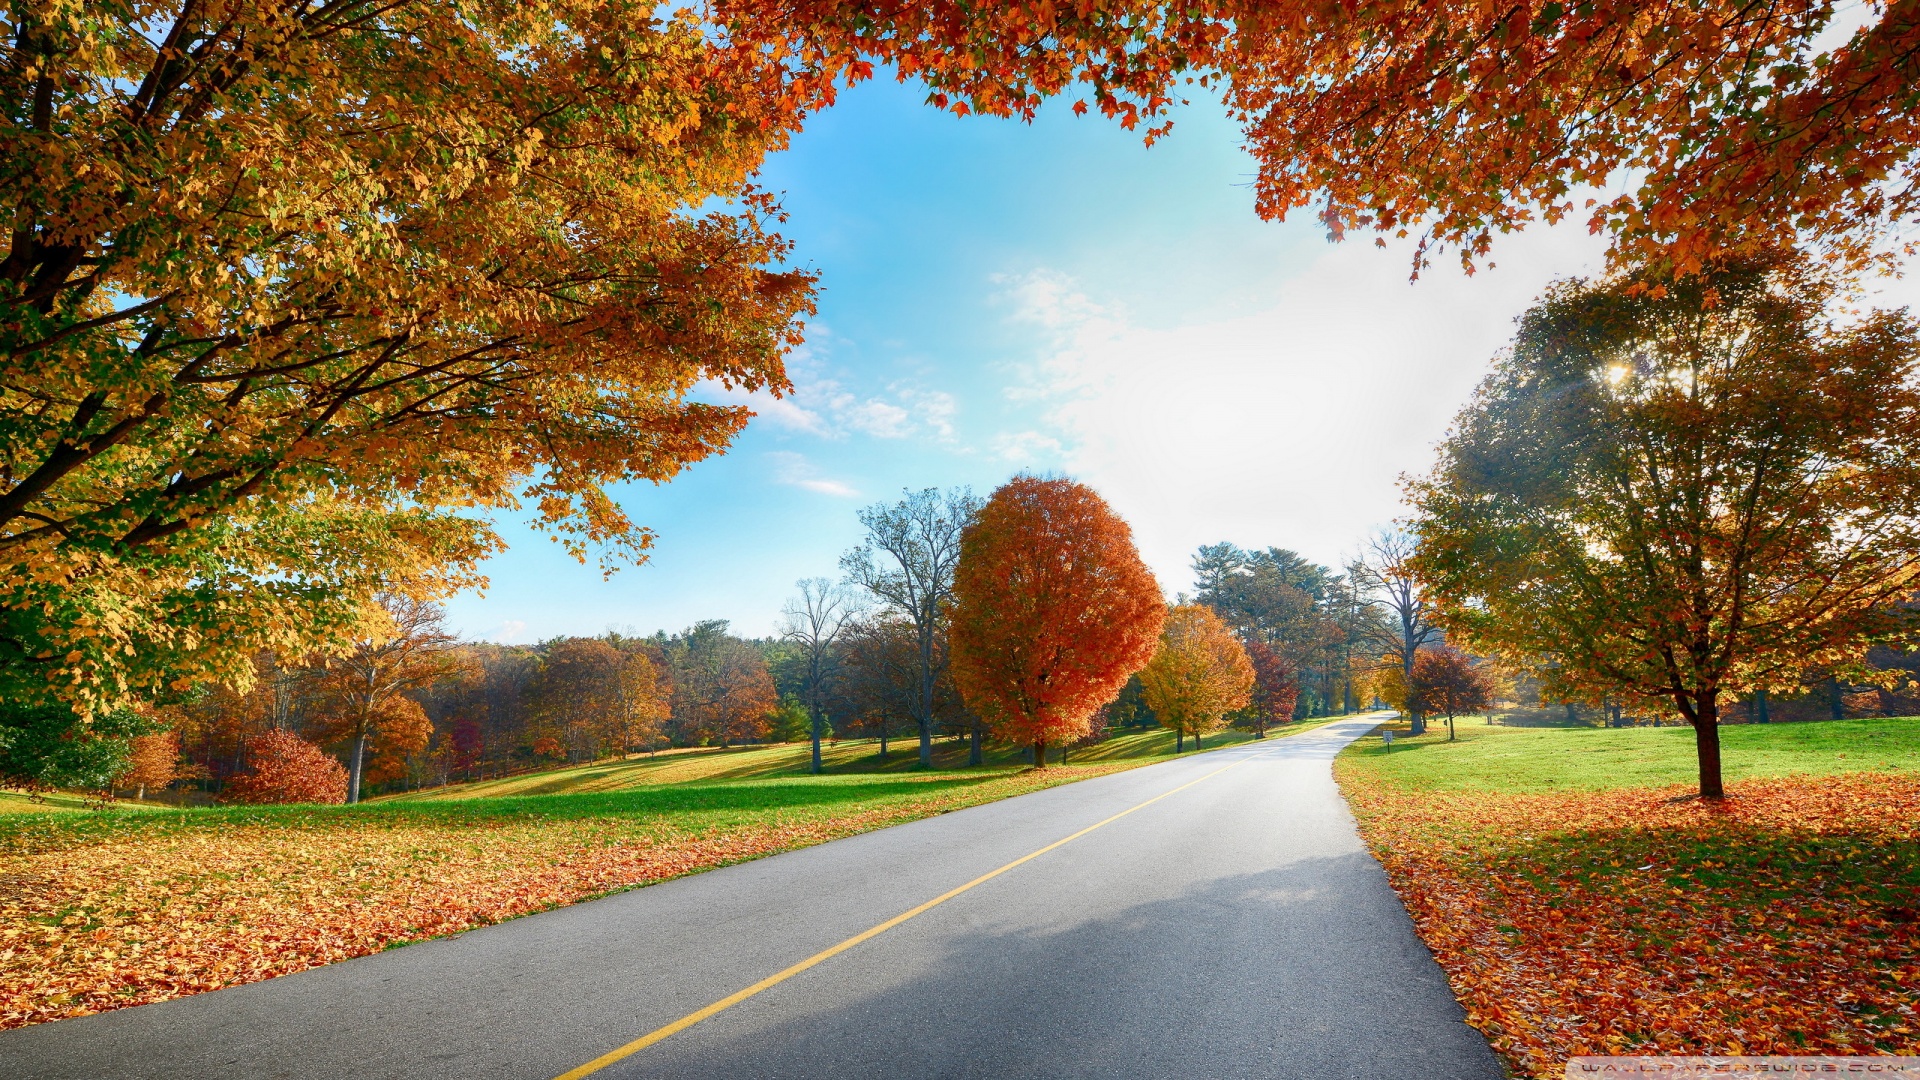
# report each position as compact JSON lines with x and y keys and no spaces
{"x":973,"y":751}
{"x":1760,"y":708}
{"x":1039,"y":754}
{"x":1573,"y":717}
{"x":353,"y":771}
{"x":926,"y":694}
{"x":1706,"y":743}
{"x":1179,"y":740}
{"x":1449,"y":727}
{"x":1834,"y":701}
{"x":883,"y":744}
{"x":1065,"y":749}
{"x":816,"y":743}
{"x":1196,"y":740}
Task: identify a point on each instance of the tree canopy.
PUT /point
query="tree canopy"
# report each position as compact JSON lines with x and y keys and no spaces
{"x":1668,"y":498}
{"x":1053,"y":610}
{"x":1198,"y":674}
{"x":1455,"y":121}
{"x":286,"y":285}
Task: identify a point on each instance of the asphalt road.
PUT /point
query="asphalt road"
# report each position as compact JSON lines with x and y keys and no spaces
{"x":1235,"y":928}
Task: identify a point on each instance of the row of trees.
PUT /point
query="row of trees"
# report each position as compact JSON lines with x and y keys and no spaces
{"x":219,"y":440}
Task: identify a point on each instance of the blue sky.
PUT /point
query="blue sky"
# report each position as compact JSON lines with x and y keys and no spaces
{"x":1054,"y":297}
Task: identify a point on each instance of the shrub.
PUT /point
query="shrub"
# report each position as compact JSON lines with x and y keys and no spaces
{"x":288,"y":769}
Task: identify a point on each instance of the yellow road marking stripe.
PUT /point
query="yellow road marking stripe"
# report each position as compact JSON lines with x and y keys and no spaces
{"x":771,"y":981}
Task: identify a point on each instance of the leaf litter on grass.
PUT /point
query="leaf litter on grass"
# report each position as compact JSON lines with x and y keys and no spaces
{"x":104,"y":915}
{"x":1785,"y":920}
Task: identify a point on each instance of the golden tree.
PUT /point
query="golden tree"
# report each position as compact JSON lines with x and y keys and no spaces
{"x":285,"y":285}
{"x":1199,"y":674}
{"x":363,"y":696}
{"x":1668,"y":497}
{"x":1053,"y":611}
{"x":154,"y":763}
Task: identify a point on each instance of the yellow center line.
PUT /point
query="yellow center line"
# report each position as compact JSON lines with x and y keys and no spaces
{"x":774,"y":980}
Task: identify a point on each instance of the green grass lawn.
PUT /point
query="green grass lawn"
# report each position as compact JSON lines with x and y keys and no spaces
{"x":689,"y":792}
{"x":853,"y":757}
{"x":18,"y":802}
{"x":1498,"y":758}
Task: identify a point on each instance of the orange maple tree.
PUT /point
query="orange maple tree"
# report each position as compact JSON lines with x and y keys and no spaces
{"x":1198,"y":674}
{"x":364,"y":696}
{"x":154,"y":763}
{"x":1053,"y":611}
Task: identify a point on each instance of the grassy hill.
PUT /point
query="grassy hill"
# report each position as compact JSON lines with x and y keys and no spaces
{"x":853,"y":756}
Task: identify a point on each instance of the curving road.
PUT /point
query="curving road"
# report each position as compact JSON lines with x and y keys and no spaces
{"x":1235,"y":927}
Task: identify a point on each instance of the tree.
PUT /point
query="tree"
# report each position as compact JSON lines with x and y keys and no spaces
{"x":1445,"y":680}
{"x":1386,"y":576}
{"x":1053,"y":610}
{"x":51,"y":746}
{"x":907,"y":562}
{"x":1458,"y":120}
{"x":815,"y":622}
{"x":877,"y":680}
{"x":1197,"y":675}
{"x":153,"y":763}
{"x":721,"y":688}
{"x":289,"y":769}
{"x":283,"y":286}
{"x":1275,"y":689}
{"x":363,"y":694}
{"x":598,"y":700}
{"x":1665,"y":497}
{"x":1299,"y":608}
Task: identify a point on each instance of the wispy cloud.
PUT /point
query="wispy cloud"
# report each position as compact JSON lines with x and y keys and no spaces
{"x":823,"y":406}
{"x":795,"y":470}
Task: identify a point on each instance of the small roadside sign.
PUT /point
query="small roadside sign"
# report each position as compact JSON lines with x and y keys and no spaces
{"x":1387,"y":737}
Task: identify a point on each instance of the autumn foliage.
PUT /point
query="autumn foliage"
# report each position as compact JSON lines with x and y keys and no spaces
{"x":1053,"y":610}
{"x":1779,"y":921}
{"x":1276,"y":688}
{"x":288,"y":769}
{"x":1198,"y":674}
{"x":253,"y":899}
{"x":284,"y":289}
{"x":1454,"y":121}
{"x":1446,"y":682}
{"x":1671,"y":498}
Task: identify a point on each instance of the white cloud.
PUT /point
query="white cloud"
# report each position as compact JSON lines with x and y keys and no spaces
{"x":822,"y":406}
{"x":1022,"y":447}
{"x":1288,"y":426}
{"x":796,"y":471}
{"x":510,"y":631}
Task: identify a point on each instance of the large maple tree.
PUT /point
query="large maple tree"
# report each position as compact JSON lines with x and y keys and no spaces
{"x":288,"y":285}
{"x":1673,"y":499}
{"x":1053,"y":610}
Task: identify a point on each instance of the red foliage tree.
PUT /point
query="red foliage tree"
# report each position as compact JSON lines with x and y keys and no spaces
{"x":1445,"y":680}
{"x":1053,"y":610}
{"x":288,"y":769}
{"x":1276,"y":688}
